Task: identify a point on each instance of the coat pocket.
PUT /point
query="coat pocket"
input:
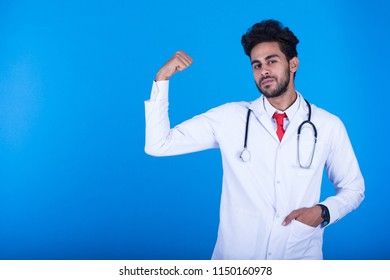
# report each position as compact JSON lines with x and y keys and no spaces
{"x":304,"y":242}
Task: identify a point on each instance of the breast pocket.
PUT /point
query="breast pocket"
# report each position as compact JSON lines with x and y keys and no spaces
{"x":311,"y":157}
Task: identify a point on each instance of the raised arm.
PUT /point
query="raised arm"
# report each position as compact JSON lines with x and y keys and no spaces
{"x":192,"y":135}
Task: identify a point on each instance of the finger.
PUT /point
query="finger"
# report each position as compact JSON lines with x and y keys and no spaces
{"x":184,"y":55}
{"x":174,"y":65}
{"x":181,"y":65}
{"x":180,"y":61}
{"x":292,"y":216}
{"x":184,"y":58}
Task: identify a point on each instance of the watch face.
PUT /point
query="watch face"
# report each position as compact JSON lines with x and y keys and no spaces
{"x":324,"y":215}
{"x":324,"y":223}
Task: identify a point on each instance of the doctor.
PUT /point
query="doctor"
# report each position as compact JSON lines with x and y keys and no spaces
{"x":270,"y":206}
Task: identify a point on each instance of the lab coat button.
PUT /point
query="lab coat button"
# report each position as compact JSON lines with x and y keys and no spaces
{"x":277,"y":182}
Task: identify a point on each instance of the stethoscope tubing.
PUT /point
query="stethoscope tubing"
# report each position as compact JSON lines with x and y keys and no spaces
{"x":245,"y":154}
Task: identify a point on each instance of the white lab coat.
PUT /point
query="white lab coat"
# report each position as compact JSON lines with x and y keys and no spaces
{"x":259,"y":194}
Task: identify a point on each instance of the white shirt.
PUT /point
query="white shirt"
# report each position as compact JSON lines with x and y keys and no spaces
{"x":290,"y":112}
{"x":257,"y":195}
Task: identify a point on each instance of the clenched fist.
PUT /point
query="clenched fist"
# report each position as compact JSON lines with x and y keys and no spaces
{"x":178,"y":62}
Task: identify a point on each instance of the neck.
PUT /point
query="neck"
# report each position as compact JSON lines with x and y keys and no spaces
{"x":284,"y":101}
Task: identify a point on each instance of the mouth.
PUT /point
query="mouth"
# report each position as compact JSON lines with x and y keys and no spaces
{"x":266,"y":82}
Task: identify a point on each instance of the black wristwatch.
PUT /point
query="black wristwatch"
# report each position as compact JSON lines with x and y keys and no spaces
{"x":325,"y":215}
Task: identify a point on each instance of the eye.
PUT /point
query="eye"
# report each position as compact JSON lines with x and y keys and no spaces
{"x":271,"y":62}
{"x":256,"y":66}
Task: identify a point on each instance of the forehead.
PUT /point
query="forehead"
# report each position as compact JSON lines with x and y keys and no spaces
{"x":265,"y":49}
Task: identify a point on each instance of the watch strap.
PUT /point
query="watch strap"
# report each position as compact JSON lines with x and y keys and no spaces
{"x":324,"y":215}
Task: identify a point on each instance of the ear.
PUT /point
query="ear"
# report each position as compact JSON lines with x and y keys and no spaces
{"x":294,"y":63}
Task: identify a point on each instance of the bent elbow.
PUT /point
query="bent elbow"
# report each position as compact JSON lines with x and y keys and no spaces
{"x":157,"y":146}
{"x":151,"y":152}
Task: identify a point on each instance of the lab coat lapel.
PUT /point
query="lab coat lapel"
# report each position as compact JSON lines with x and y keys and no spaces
{"x":258,"y":110}
{"x":295,"y":122}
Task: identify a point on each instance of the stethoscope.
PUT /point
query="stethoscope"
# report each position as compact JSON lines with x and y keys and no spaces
{"x":246,"y":155}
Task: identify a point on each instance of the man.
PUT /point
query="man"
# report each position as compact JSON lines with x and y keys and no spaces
{"x":270,"y":206}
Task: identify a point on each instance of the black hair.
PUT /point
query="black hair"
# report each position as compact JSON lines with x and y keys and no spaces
{"x":270,"y":31}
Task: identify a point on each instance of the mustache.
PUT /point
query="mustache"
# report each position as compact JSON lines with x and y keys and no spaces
{"x":267,"y":77}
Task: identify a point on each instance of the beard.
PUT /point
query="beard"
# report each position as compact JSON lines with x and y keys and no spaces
{"x":280,"y":89}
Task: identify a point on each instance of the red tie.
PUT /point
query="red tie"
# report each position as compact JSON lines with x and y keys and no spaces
{"x":279,"y":121}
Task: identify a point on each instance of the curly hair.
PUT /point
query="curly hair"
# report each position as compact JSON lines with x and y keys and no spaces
{"x":270,"y":31}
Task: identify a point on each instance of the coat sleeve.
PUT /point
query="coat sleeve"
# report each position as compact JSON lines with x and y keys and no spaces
{"x":192,"y":135}
{"x":344,"y":173}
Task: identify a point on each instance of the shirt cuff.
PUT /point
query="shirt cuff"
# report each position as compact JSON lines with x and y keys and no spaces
{"x":159,"y":90}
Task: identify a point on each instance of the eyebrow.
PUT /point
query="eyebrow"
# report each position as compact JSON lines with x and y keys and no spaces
{"x":267,"y":58}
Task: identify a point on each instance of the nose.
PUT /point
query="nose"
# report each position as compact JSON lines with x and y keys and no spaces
{"x":264,"y":72}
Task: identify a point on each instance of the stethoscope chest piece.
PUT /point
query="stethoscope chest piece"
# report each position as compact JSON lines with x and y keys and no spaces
{"x":245,"y":155}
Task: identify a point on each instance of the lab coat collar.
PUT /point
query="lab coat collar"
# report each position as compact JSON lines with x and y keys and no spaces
{"x":257,"y":107}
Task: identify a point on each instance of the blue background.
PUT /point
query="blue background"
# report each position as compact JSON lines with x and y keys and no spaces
{"x":75,"y":182}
